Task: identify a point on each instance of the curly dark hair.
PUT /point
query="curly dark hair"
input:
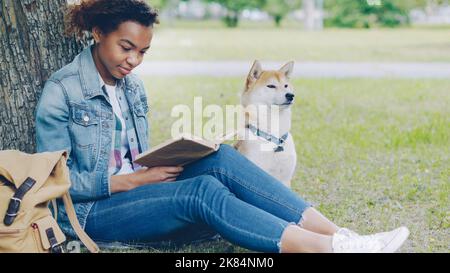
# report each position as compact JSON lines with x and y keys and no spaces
{"x":107,"y":15}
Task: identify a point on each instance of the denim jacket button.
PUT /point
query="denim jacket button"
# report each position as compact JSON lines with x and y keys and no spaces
{"x":86,"y":119}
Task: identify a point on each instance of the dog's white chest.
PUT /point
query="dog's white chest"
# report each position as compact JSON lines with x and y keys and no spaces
{"x":281,"y":165}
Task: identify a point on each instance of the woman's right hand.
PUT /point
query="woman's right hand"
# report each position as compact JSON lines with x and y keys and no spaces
{"x":121,"y":183}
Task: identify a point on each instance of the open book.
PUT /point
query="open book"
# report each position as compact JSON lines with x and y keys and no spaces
{"x":180,"y":152}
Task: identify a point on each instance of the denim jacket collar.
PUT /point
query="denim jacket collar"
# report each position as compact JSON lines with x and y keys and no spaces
{"x":90,"y":78}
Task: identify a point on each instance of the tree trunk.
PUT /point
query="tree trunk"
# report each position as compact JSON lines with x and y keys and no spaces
{"x":277,"y":19}
{"x":313,"y":11}
{"x":32,"y":47}
{"x":232,"y":19}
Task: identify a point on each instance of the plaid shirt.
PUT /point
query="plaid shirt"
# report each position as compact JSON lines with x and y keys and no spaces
{"x":115,"y":162}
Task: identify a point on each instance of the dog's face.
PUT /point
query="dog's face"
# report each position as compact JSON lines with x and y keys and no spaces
{"x":269,"y":87}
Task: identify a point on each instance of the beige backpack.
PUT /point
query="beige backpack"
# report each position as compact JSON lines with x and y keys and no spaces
{"x":28,"y":183}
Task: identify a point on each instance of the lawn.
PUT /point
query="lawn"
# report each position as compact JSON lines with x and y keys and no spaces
{"x":372,"y":154}
{"x":211,"y":41}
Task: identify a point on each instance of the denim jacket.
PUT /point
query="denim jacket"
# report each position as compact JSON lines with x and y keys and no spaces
{"x":74,"y":114}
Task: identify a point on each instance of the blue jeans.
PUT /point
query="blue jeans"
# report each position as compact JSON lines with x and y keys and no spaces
{"x":223,"y":193}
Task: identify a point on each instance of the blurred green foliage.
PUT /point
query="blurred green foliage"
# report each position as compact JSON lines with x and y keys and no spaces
{"x":235,"y":7}
{"x":340,"y":13}
{"x":411,"y":4}
{"x":159,"y":4}
{"x":363,"y":14}
{"x":278,"y":9}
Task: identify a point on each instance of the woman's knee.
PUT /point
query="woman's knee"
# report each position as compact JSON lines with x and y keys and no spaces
{"x":227,"y":149}
{"x":205,"y":184}
{"x":224,"y":154}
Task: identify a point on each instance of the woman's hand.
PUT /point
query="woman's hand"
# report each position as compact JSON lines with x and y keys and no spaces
{"x":122,"y":183}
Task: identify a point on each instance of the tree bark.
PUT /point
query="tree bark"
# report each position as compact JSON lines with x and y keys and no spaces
{"x":32,"y":47}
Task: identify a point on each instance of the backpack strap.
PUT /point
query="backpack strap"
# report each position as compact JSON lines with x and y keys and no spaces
{"x":55,"y":209}
{"x":5,"y":181}
{"x":16,"y":201}
{"x":85,"y":239}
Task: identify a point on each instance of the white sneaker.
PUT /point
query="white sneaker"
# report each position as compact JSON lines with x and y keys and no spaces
{"x":393,"y":240}
{"x":347,"y":241}
{"x":357,"y":244}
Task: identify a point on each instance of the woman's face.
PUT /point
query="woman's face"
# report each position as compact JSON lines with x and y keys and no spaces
{"x":119,"y":52}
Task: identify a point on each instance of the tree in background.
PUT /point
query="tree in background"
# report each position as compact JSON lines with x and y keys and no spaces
{"x":278,"y":9}
{"x":365,"y":13}
{"x":32,"y":47}
{"x":162,"y":4}
{"x":235,"y":7}
{"x":159,"y":4}
{"x":342,"y":13}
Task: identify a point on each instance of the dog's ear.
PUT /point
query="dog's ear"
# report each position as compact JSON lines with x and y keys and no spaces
{"x":255,"y":73}
{"x":287,"y":69}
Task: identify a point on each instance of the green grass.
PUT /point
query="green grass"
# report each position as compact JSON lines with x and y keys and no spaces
{"x":213,"y":42}
{"x":372,"y":154}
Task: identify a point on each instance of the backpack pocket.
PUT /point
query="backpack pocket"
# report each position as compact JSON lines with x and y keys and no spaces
{"x":48,"y":235}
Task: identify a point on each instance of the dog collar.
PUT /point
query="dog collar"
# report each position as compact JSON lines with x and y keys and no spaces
{"x":277,"y":141}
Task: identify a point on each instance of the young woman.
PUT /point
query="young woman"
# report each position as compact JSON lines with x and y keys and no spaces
{"x":97,"y":110}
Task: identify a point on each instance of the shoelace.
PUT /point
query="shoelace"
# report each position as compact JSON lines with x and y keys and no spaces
{"x":350,"y":233}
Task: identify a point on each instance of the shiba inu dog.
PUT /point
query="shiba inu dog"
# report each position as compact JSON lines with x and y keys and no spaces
{"x":271,"y":146}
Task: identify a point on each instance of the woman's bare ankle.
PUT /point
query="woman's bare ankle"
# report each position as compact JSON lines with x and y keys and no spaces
{"x":298,"y":240}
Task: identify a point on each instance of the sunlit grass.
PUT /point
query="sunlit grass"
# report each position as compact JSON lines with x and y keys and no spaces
{"x":190,"y":41}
